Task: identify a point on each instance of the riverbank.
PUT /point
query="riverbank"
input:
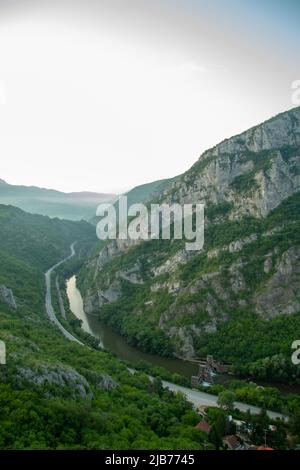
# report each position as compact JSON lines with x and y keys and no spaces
{"x":115,"y":343}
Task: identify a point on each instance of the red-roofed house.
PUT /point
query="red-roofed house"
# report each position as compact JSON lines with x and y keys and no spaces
{"x":263,"y":448}
{"x":232,"y":443}
{"x":203,"y":426}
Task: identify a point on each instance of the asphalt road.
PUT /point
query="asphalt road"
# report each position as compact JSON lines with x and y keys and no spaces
{"x":49,"y":306}
{"x":205,"y":399}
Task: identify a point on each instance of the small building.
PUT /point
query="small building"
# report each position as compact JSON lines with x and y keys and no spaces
{"x":232,"y":442}
{"x":240,"y":425}
{"x":240,"y":428}
{"x":203,"y":426}
{"x":263,"y":448}
{"x":201,"y":410}
{"x":272,"y":428}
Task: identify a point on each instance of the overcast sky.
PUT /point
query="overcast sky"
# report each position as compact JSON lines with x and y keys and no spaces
{"x":105,"y":95}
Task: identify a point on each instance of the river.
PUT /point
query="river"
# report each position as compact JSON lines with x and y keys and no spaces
{"x":115,"y":343}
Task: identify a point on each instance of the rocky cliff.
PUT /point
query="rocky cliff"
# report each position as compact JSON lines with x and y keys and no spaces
{"x":255,"y":170}
{"x":7,"y":297}
{"x":250,"y":262}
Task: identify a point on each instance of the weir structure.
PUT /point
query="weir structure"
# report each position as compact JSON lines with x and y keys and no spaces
{"x":208,"y":368}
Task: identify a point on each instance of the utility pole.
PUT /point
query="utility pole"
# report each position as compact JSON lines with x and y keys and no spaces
{"x":265,"y":434}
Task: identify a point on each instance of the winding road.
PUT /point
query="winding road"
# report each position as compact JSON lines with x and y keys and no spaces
{"x":49,"y":306}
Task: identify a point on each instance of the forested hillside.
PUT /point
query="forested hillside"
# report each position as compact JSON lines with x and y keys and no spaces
{"x":55,"y":394}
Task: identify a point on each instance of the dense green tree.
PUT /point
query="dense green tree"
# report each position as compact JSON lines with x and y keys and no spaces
{"x":226,"y":400}
{"x":215,"y":438}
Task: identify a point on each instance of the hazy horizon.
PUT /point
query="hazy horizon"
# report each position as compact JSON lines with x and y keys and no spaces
{"x":112,"y":193}
{"x":103,"y":96}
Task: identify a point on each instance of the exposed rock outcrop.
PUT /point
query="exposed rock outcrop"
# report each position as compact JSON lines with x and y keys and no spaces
{"x":101,"y":381}
{"x":260,"y":154}
{"x":281,"y":294}
{"x":56,"y":378}
{"x":7,"y":297}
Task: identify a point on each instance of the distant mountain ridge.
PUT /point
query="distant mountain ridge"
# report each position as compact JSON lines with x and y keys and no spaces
{"x":75,"y":205}
{"x":35,"y":200}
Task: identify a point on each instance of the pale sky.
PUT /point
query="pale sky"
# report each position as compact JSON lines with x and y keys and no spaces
{"x":105,"y":95}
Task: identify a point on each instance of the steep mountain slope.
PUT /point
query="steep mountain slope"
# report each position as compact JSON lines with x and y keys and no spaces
{"x":55,"y":394}
{"x":246,"y":278}
{"x":142,"y":194}
{"x":147,"y":191}
{"x":28,"y":246}
{"x":72,"y":206}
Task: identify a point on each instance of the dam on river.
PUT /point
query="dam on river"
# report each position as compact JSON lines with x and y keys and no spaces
{"x":208,"y":369}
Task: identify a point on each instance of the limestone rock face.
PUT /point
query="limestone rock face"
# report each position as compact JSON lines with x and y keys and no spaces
{"x":58,"y":377}
{"x":259,"y":153}
{"x":7,"y":297}
{"x":282,"y":294}
{"x":93,"y":301}
{"x":283,"y":130}
{"x":113,"y":249}
{"x":250,"y":175}
{"x":172,"y":264}
{"x":101,"y":381}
